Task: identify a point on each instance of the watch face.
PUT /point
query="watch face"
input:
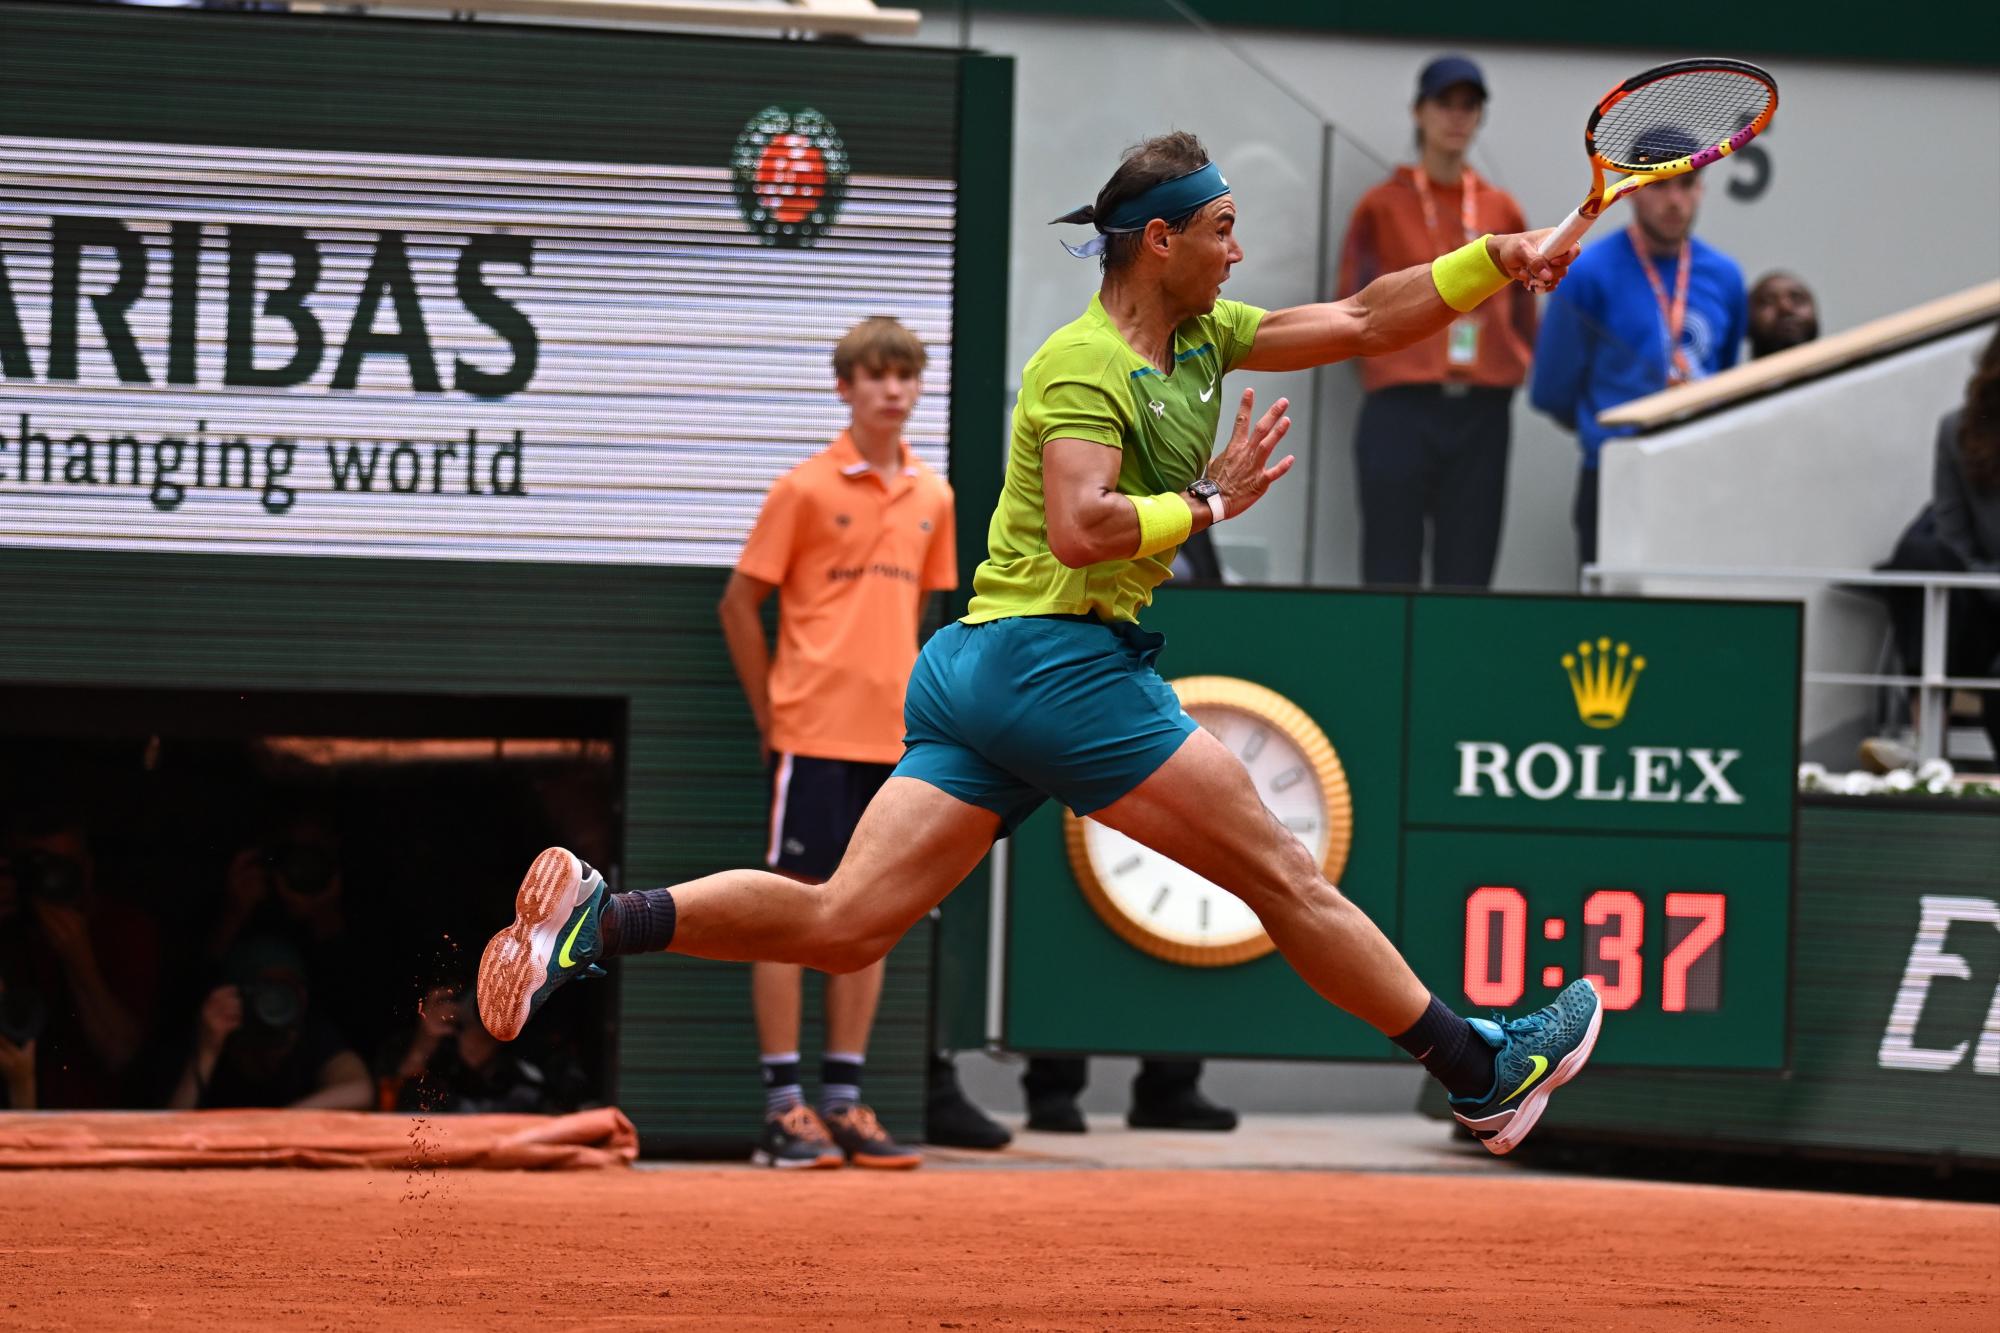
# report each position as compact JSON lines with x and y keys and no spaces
{"x":1161,"y":907}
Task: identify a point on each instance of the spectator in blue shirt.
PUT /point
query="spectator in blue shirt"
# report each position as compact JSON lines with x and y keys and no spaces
{"x":1639,"y":311}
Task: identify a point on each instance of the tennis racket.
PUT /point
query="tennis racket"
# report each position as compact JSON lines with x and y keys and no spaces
{"x":1671,"y":120}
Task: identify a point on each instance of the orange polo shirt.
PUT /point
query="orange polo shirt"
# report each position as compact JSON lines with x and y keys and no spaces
{"x":1389,"y":231}
{"x":852,"y":554}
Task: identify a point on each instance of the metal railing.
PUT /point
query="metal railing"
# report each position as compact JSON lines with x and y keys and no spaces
{"x":1932,"y":685}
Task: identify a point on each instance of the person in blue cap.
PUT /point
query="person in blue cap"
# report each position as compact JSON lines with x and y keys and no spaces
{"x":1641,"y":310}
{"x":1046,"y":687}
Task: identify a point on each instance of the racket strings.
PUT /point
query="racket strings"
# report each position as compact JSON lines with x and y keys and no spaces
{"x":1672,"y":117}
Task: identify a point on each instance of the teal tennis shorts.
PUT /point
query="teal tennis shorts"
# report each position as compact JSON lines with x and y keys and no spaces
{"x":1008,"y":713}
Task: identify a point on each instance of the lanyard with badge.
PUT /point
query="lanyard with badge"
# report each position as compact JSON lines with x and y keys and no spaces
{"x":1462,"y":341}
{"x":1672,"y":314}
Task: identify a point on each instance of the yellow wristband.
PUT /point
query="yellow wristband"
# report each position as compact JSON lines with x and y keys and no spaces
{"x":1164,"y":522}
{"x":1467,"y":276}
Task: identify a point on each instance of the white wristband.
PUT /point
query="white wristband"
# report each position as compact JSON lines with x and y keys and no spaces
{"x":1215,"y":509}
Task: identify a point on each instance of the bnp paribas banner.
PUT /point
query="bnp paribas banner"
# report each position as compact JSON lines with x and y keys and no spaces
{"x":328,"y":287}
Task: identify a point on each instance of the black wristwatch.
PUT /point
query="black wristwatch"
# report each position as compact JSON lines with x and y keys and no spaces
{"x":1201,"y":488}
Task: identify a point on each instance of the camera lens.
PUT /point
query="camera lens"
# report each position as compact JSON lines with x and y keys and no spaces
{"x":272,"y":1005}
{"x":48,"y":876}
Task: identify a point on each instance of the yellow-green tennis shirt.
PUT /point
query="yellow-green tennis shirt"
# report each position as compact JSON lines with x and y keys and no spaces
{"x":1086,"y":384}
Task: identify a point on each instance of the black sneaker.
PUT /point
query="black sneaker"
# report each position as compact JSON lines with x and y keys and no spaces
{"x":795,"y":1139}
{"x":1185,"y":1108}
{"x":1056,"y":1115}
{"x":861,"y":1136}
{"x":952,"y":1121}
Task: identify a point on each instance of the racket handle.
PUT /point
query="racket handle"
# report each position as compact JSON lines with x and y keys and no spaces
{"x":1563,"y":237}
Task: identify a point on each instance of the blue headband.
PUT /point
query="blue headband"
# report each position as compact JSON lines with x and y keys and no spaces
{"x":1170,"y":200}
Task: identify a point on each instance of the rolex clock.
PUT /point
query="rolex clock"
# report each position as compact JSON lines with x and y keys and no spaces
{"x":1159,"y":906}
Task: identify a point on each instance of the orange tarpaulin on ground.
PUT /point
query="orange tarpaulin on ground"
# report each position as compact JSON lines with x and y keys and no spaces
{"x":317,"y":1138}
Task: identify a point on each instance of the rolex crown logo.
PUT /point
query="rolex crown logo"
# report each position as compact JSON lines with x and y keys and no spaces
{"x":1602,"y":681}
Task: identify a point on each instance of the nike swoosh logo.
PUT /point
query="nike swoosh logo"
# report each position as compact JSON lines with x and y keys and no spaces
{"x":1541,"y":1068}
{"x":563,"y":960}
{"x":1208,"y":393}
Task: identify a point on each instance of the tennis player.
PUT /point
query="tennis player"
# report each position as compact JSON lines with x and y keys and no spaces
{"x":1047,"y":687}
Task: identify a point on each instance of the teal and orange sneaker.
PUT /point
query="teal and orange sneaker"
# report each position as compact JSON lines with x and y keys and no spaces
{"x":1533,"y":1056}
{"x":554,"y":939}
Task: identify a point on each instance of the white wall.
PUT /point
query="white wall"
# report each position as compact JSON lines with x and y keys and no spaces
{"x":1871,"y":219}
{"x":1825,"y":475}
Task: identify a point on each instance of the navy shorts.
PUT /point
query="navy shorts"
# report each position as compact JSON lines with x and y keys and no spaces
{"x":1008,"y":713}
{"x":815,"y":806}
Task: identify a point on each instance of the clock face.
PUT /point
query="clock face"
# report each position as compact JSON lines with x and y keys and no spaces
{"x":1169,"y":911}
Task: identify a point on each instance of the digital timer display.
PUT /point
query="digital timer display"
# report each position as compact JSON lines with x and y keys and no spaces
{"x":1614,"y":939}
{"x":1683,"y":937}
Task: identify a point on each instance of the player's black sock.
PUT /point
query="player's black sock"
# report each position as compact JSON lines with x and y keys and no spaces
{"x":641,"y":922}
{"x":781,"y":1082}
{"x":1445,"y":1044}
{"x":839,"y":1080}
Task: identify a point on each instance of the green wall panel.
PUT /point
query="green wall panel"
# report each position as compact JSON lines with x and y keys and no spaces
{"x":1962,"y":32}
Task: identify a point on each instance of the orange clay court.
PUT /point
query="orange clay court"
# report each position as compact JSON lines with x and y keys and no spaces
{"x":720,"y":1248}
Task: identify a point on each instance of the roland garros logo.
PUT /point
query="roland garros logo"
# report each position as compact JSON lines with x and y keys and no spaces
{"x":790,"y":174}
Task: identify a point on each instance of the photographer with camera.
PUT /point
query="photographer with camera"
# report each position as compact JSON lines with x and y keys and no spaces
{"x":76,"y":981}
{"x":259,"y":1042}
{"x":290,"y":885}
{"x":450,"y":1063}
